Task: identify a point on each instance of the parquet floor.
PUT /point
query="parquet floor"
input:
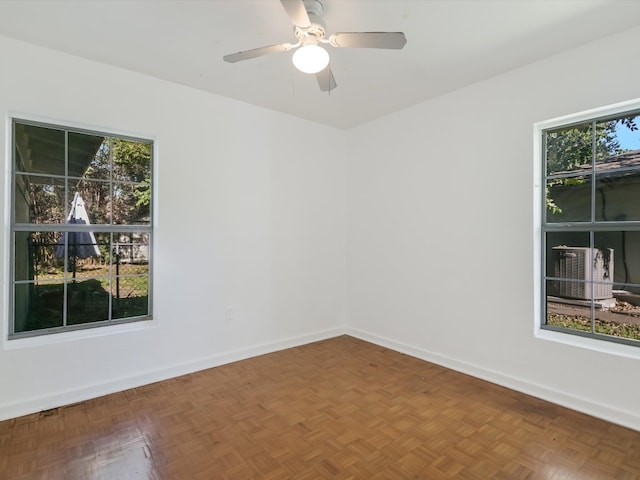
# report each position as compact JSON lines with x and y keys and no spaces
{"x":337,"y":409}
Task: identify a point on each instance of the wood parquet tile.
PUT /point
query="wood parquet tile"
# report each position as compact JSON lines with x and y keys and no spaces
{"x":336,"y":409}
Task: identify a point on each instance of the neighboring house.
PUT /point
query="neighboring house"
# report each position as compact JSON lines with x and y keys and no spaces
{"x":132,"y":248}
{"x":616,"y":197}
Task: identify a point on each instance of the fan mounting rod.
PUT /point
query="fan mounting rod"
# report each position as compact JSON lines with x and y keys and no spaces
{"x":316,"y":31}
{"x":314,"y":7}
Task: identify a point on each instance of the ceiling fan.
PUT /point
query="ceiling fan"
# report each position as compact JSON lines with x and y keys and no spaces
{"x":310,"y":30}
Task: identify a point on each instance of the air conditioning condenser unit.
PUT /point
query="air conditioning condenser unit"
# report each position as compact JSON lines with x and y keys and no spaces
{"x":591,"y":270}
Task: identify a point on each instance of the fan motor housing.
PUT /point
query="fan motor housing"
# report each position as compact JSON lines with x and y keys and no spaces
{"x":314,"y":32}
{"x":317,"y":29}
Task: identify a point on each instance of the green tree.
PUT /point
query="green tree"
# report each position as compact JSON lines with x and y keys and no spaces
{"x":570,"y":148}
{"x":132,"y":166}
{"x":128,"y":165}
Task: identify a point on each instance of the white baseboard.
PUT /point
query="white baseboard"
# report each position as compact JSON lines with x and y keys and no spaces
{"x":60,"y":399}
{"x":605,"y":412}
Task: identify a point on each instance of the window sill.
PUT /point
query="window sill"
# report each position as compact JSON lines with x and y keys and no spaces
{"x":600,"y":346}
{"x":83,"y":334}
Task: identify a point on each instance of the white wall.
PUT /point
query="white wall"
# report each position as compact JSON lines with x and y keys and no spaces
{"x":441,"y":221}
{"x":243,"y":219}
{"x":439,"y":260}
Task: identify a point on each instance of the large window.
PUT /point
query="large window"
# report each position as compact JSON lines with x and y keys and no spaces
{"x":81,"y":230}
{"x":591,"y":228}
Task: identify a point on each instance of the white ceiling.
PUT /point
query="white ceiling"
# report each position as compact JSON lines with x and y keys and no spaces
{"x":450,"y":44}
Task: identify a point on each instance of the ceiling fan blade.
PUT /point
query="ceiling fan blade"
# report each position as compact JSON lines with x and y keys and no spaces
{"x":326,"y":80}
{"x":257,"y":52}
{"x":297,"y":12}
{"x":394,"y":40}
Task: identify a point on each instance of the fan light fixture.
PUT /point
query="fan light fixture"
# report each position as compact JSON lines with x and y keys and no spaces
{"x":310,"y":58}
{"x":311,"y":38}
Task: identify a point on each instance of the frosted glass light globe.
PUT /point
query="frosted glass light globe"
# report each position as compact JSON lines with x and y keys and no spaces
{"x":310,"y":59}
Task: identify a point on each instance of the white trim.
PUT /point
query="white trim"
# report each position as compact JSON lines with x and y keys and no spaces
{"x":591,"y":114}
{"x":5,"y":235}
{"x":58,"y":399}
{"x":537,"y":227}
{"x":73,"y":335}
{"x":68,"y":397}
{"x":601,"y":346}
{"x":565,"y":399}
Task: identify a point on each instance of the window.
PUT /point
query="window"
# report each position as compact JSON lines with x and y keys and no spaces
{"x":81,"y":229}
{"x":591,"y":227}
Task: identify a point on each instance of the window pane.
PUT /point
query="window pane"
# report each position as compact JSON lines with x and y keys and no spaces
{"x":88,"y":300}
{"x":628,"y":328}
{"x":131,"y":161}
{"x":625,"y":254}
{"x":131,"y":286}
{"x":36,"y":256}
{"x":618,"y":195}
{"x":38,"y":306}
{"x":572,"y":315}
{"x":568,"y":200}
{"x":132,"y":177}
{"x":88,"y":254}
{"x":568,"y":149}
{"x":83,"y":152}
{"x":133,"y":249}
{"x":623,"y":319}
{"x":130,"y":297}
{"x":39,"y":150}
{"x":606,"y":144}
{"x":581,"y":273}
{"x":39,"y":199}
{"x":97,"y":200}
{"x":77,"y":245}
{"x":131,"y":204}
{"x":617,"y":136}
{"x":561,"y":248}
{"x":100,"y":166}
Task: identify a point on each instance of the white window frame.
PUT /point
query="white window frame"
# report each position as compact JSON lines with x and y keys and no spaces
{"x":539,"y":196}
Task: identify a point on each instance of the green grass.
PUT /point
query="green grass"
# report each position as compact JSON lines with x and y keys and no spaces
{"x":129,"y":286}
{"x":615,"y":329}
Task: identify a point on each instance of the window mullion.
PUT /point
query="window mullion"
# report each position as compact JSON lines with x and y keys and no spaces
{"x":593,"y":221}
{"x":593,"y":171}
{"x":67,"y":211}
